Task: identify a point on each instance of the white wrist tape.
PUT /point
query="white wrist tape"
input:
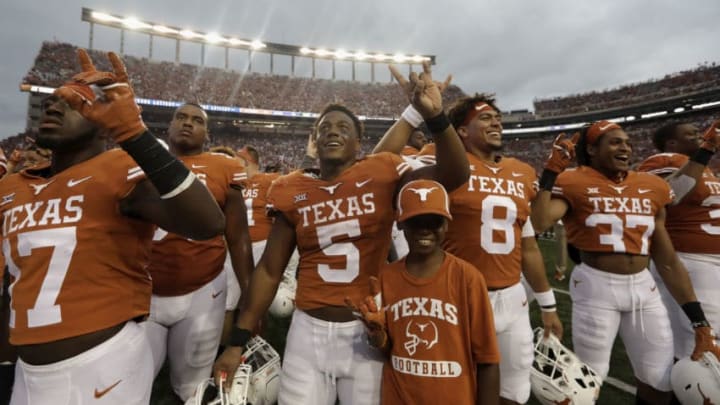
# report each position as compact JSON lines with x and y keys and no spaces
{"x":412,"y":116}
{"x":181,"y":187}
{"x":546,"y":300}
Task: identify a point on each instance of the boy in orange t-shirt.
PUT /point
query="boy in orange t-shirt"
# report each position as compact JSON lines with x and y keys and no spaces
{"x":435,"y":322}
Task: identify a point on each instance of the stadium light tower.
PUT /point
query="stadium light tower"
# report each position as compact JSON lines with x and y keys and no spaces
{"x":250,"y":45}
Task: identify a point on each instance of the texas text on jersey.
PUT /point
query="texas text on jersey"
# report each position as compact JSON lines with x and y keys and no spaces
{"x":78,"y":264}
{"x":169,"y":261}
{"x":501,"y":192}
{"x":342,"y":226}
{"x":255,"y":194}
{"x":694,"y":223}
{"x":611,"y":217}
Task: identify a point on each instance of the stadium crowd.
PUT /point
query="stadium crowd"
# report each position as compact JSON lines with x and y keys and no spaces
{"x":703,"y":77}
{"x":56,"y":61}
{"x":283,"y":152}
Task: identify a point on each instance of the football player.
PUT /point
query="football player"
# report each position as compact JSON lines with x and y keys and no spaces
{"x":340,"y":221}
{"x":189,"y":282}
{"x":415,"y":143}
{"x":692,"y":219}
{"x":432,"y":314}
{"x":616,"y":219}
{"x":77,"y":236}
{"x":491,"y":230}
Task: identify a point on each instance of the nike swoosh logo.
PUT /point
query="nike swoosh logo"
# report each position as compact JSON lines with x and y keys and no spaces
{"x":214,"y":295}
{"x":516,"y":174}
{"x":73,"y":182}
{"x":359,"y":184}
{"x":643,"y":190}
{"x":100,"y":394}
{"x":606,"y":127}
{"x":524,"y":303}
{"x":194,"y":166}
{"x":653,"y":288}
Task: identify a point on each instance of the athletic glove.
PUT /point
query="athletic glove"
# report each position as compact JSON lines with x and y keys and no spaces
{"x":372,"y":315}
{"x":563,"y":153}
{"x":705,"y":342}
{"x":711,"y":139}
{"x":104,"y":98}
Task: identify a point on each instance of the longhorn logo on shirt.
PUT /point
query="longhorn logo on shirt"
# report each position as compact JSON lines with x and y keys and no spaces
{"x":420,"y":333}
{"x":422,"y":192}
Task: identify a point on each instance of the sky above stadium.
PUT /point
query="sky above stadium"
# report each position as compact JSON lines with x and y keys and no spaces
{"x":517,"y":49}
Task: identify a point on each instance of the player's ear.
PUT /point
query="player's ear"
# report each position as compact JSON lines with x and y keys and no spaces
{"x":591,"y":150}
{"x":462,"y":131}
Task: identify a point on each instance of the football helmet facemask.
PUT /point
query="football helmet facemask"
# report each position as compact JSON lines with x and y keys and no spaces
{"x":558,"y":376}
{"x":264,"y":362}
{"x":207,"y":393}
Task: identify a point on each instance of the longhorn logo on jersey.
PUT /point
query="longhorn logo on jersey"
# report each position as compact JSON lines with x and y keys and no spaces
{"x":425,"y":334}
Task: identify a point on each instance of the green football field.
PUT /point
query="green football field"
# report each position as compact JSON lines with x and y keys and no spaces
{"x":620,"y":370}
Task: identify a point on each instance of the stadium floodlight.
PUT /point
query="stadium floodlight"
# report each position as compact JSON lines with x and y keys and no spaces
{"x":103,"y":16}
{"x":141,"y":25}
{"x":165,"y":30}
{"x":256,"y":44}
{"x":188,"y":34}
{"x":214,"y":38}
{"x":361,"y":55}
{"x":679,"y":109}
{"x":705,"y":105}
{"x":399,"y":58}
{"x":342,"y":54}
{"x":133,"y":23}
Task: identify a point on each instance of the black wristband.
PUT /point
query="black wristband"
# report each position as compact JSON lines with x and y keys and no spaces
{"x":694,"y":312}
{"x":547,"y":180}
{"x":164,"y":170}
{"x":239,"y":337}
{"x":702,"y":156}
{"x":437,"y":124}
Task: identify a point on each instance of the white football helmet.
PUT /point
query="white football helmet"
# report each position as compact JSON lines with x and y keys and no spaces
{"x":697,"y":382}
{"x":283,"y":304}
{"x":207,"y":392}
{"x":558,"y":376}
{"x":264,"y":362}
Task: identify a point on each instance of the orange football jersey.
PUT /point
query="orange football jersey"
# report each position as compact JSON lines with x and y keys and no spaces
{"x":694,"y":223}
{"x":440,"y":327}
{"x":255,"y":194}
{"x":342,"y":227}
{"x":409,"y":151}
{"x":489,"y":212}
{"x":78,"y":264}
{"x":611,"y":217}
{"x":179,"y":265}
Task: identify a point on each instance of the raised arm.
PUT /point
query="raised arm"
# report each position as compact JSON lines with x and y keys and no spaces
{"x":545,"y":210}
{"x":684,"y":180}
{"x":397,"y":136}
{"x":107,"y":100}
{"x":452,"y":168}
